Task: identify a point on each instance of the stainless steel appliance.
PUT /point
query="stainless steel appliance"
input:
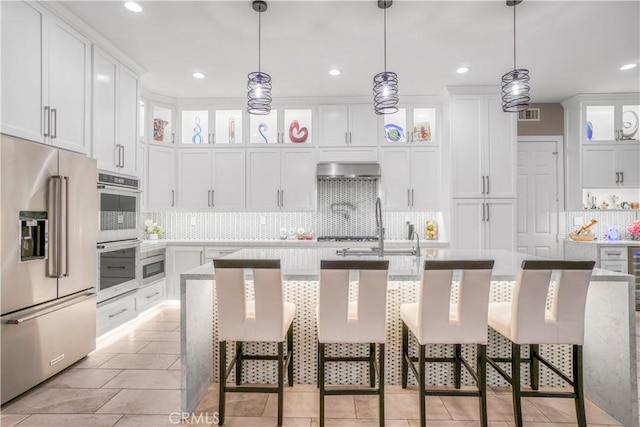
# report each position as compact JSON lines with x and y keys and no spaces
{"x":119,"y":198}
{"x":49,"y":228}
{"x":332,"y":170}
{"x":117,"y":268}
{"x":153,"y":266}
{"x":634,"y":270}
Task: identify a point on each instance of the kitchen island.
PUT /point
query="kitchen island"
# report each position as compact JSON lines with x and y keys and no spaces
{"x":609,"y":349}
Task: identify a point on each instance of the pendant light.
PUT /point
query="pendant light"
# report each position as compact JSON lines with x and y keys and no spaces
{"x":259,"y":84}
{"x":385,"y":84}
{"x":515,"y":83}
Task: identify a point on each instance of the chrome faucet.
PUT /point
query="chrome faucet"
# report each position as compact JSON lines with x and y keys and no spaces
{"x":417,"y":248}
{"x":379,"y":227}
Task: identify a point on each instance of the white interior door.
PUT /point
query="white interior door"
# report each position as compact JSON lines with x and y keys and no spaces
{"x":538,"y":198}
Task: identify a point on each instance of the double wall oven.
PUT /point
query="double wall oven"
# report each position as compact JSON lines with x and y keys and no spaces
{"x":118,"y":250}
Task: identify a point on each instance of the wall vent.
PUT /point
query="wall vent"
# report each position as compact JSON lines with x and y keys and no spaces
{"x":530,"y":115}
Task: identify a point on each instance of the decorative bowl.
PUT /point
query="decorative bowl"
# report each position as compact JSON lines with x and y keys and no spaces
{"x":584,"y":237}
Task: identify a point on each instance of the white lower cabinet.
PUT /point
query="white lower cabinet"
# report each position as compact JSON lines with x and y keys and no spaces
{"x":484,"y":224}
{"x":115,"y":312}
{"x":150,"y":295}
{"x":179,"y":260}
{"x":410,"y":178}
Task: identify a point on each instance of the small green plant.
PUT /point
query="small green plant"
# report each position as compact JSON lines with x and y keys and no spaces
{"x":151,"y":227}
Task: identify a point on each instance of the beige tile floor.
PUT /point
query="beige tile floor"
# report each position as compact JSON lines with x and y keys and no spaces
{"x":133,"y":379}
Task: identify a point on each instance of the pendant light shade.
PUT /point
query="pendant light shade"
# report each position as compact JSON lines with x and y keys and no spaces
{"x":385,"y":84}
{"x":515,"y":83}
{"x":259,"y":83}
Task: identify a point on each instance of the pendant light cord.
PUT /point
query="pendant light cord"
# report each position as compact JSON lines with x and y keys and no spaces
{"x":385,"y":39}
{"x":514,"y":36}
{"x":259,"y":36}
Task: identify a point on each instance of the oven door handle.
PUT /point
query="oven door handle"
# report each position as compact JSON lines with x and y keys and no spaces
{"x":106,"y":247}
{"x":118,"y":189}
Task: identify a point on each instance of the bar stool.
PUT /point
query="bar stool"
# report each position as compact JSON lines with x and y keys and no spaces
{"x":525,"y":320}
{"x":359,"y":322}
{"x":435,"y":320}
{"x":267,"y":318}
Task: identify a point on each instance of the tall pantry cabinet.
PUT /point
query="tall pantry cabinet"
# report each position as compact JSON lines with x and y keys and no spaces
{"x":483,"y":157}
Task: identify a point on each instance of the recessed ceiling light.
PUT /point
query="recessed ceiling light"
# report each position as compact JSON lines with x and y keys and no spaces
{"x":133,"y":6}
{"x":198,"y":75}
{"x":462,"y":70}
{"x":334,"y":72}
{"x":628,"y":66}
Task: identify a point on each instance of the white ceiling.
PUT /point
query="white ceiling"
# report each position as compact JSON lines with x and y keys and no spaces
{"x":569,"y":46}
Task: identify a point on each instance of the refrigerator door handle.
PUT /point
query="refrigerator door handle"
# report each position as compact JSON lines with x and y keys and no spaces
{"x":53,"y":196}
{"x":66,"y":227}
{"x":55,"y":307}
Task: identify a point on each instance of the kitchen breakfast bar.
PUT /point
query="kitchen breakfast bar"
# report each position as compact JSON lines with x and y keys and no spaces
{"x":610,"y":370}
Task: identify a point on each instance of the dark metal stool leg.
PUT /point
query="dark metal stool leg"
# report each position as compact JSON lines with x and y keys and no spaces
{"x":321,"y":380}
{"x":481,"y":369}
{"x":381,"y":384}
{"x":457,"y":365}
{"x":290,"y":353}
{"x":280,"y":381}
{"x":578,"y":385}
{"x":515,"y":383}
{"x":534,"y":366}
{"x":318,"y":368}
{"x":405,"y":354}
{"x":222,"y":381}
{"x":238,"y":362}
{"x":372,"y":367}
{"x":422,"y":385}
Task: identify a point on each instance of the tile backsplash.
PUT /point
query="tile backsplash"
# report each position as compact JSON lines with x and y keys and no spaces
{"x":247,"y":225}
{"x":606,"y":220}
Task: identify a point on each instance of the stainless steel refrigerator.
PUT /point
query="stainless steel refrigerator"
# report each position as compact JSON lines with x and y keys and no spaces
{"x":49,"y":218}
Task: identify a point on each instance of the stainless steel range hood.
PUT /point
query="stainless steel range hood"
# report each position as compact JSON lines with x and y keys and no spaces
{"x":348,"y":170}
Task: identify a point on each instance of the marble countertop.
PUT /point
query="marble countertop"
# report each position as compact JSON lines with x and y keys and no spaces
{"x":304,"y":263}
{"x":148,"y":245}
{"x":607,"y":242}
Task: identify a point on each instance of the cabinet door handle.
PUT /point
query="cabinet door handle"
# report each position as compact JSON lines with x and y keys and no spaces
{"x":412,"y":199}
{"x":209,"y":198}
{"x":122,"y":148}
{"x":209,"y":138}
{"x":350,"y":141}
{"x":152,"y":295}
{"x":488,"y":191}
{"x":346,"y":138}
{"x":47,"y":121}
{"x":173,"y":138}
{"x":621,"y":177}
{"x":483,"y":187}
{"x":54,"y":113}
{"x":173,"y":197}
{"x":201,"y":257}
{"x":278,"y":197}
{"x":213,"y":198}
{"x":408,"y":197}
{"x":118,"y":313}
{"x":617,"y":177}
{"x":282,"y":198}
{"x":482,"y":211}
{"x":487,"y":212}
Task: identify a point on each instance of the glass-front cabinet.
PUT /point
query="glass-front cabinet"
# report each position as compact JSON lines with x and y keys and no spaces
{"x":292,"y":126}
{"x":410,"y":125}
{"x":201,"y":126}
{"x":163,"y":124}
{"x":610,"y":122}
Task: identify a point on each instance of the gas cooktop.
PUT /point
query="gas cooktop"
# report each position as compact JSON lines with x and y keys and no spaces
{"x":347,"y":239}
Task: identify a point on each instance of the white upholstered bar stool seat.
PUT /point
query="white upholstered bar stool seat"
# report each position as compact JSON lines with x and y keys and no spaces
{"x":341,"y":321}
{"x":266,"y":318}
{"x":526,"y":319}
{"x":434,"y":319}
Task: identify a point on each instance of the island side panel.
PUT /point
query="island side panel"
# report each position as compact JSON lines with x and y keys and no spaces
{"x":610,"y":359}
{"x":196,"y":340}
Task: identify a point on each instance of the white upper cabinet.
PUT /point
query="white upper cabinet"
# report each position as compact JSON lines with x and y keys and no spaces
{"x":47,"y":97}
{"x":611,"y":166}
{"x":287,"y":126}
{"x":281,"y":180}
{"x":163,"y":124}
{"x":348,"y":125}
{"x":208,"y":126}
{"x":412,"y":124}
{"x":410,"y":178}
{"x":610,"y":122}
{"x":161,"y":190}
{"x":211,"y":180}
{"x":115,"y":114}
{"x":483,"y":140}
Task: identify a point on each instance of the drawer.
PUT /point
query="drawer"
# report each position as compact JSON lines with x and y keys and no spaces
{"x":116,"y":313}
{"x":215,"y":253}
{"x":150,"y":296}
{"x":617,"y":266}
{"x":613,"y":252}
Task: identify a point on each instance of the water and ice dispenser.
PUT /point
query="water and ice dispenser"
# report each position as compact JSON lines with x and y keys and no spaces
{"x":33,"y":235}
